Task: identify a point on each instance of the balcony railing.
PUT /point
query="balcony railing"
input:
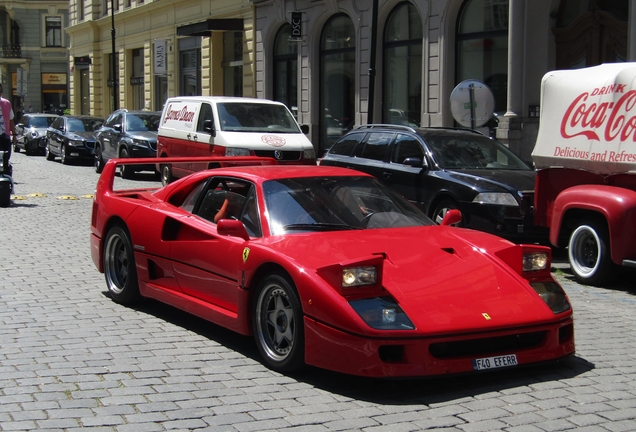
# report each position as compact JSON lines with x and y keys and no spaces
{"x":11,"y":51}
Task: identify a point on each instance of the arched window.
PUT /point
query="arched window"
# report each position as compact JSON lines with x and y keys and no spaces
{"x":337,"y":80}
{"x":402,"y":85}
{"x":482,"y":46}
{"x":286,"y":69}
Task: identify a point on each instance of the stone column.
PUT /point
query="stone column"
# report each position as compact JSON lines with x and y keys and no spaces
{"x":631,"y":29}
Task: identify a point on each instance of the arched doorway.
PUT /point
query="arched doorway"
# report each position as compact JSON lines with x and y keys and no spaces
{"x":337,"y":80}
{"x":591,"y":32}
{"x":402,"y":85}
{"x":482,"y":46}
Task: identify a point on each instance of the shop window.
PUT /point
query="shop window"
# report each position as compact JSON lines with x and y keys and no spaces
{"x":189,"y":64}
{"x":403,"y":67}
{"x":53,"y":31}
{"x":286,"y":69}
{"x":337,"y":80}
{"x":137,"y":79}
{"x":482,"y":46}
{"x":233,"y":63}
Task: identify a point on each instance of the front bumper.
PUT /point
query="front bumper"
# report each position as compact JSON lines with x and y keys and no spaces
{"x":420,"y":356}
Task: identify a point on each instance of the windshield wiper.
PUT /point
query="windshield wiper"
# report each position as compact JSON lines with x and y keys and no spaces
{"x":320,"y":227}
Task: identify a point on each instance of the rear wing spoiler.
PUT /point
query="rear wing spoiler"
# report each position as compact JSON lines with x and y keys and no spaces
{"x":107,"y":177}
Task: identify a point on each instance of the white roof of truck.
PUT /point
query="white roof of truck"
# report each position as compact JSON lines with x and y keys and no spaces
{"x":588,"y":119}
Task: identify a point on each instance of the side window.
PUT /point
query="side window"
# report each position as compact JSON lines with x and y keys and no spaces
{"x":376,"y":146}
{"x":113,"y":120}
{"x":192,"y":198}
{"x":224,"y":198}
{"x":57,"y":124}
{"x":205,"y":113}
{"x":406,"y":147}
{"x":346,"y":144}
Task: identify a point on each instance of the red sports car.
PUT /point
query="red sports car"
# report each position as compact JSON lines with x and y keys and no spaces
{"x":327,"y":267}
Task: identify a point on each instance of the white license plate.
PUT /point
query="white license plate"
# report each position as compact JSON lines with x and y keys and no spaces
{"x":495,"y":362}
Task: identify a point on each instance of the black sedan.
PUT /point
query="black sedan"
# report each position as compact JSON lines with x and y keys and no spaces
{"x":72,"y":137}
{"x":439,"y":169}
{"x":127,"y":134}
{"x":31,"y":133}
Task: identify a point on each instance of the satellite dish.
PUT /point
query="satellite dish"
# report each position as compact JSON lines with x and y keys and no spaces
{"x":472,"y":103}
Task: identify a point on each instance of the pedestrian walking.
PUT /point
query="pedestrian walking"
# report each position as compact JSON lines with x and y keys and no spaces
{"x":7,"y":127}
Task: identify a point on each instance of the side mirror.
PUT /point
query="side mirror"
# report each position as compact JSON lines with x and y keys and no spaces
{"x":304,"y":129}
{"x":413,"y":162}
{"x":452,"y":217}
{"x":117,"y":127}
{"x":208,"y":126}
{"x":232,"y":228}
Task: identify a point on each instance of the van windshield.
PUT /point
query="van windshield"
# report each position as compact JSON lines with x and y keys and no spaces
{"x":256,"y":117}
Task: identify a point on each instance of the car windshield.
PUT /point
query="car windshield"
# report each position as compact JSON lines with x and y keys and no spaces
{"x":473,"y":152}
{"x":83,"y":125}
{"x":336,"y":203}
{"x":256,"y":117}
{"x":40,"y":122}
{"x":142,"y":122}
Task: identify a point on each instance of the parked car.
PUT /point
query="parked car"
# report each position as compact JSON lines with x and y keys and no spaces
{"x":319,"y":264}
{"x":72,"y":137}
{"x":31,"y":133}
{"x":439,"y":169}
{"x":127,"y":134}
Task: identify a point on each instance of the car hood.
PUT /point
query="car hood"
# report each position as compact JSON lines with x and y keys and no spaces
{"x":86,"y":136}
{"x":444,"y":283}
{"x":146,"y":136}
{"x":494,"y":180}
{"x":39,"y":130}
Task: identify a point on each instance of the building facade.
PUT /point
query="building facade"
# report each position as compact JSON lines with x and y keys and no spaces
{"x":34,"y":56}
{"x":342,"y":63}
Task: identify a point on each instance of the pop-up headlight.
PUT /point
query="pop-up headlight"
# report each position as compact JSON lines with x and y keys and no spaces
{"x":382,"y":313}
{"x":359,"y":276}
{"x":535,"y":261}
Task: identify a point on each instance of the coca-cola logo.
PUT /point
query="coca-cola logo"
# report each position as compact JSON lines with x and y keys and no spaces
{"x":273,"y":140}
{"x":593,"y":118}
{"x":179,"y":115}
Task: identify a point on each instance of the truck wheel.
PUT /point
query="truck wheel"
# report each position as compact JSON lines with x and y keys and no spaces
{"x":589,"y":254}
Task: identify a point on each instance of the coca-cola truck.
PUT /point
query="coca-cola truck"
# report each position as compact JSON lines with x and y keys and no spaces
{"x":585,"y":153}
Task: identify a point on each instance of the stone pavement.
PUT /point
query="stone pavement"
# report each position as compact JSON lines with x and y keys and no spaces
{"x":72,"y":359}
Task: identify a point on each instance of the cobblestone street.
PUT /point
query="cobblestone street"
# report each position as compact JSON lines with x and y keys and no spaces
{"x":71,"y":359}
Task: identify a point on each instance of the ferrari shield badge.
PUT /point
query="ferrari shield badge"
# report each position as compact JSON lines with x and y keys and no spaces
{"x":246,"y":254}
{"x":486,"y":316}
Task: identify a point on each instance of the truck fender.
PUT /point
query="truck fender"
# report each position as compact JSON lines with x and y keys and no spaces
{"x":616,"y":204}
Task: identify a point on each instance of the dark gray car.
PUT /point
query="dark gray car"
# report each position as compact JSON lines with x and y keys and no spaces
{"x":128,"y":134}
{"x":439,"y":169}
{"x":72,"y":137}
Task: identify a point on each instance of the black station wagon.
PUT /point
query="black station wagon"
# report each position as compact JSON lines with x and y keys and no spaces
{"x":440,"y":169}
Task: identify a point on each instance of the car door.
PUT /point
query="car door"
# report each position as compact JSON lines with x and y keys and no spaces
{"x":109,"y":136}
{"x":407,"y":170}
{"x":56,"y":135}
{"x":206,"y":264}
{"x":21,"y":129}
{"x":371,"y":155}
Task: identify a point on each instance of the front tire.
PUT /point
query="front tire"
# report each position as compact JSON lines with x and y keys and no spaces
{"x":63,"y":158}
{"x":278,"y":324}
{"x":589,"y":254}
{"x":119,"y":266}
{"x":441,"y":209}
{"x":127,"y":171}
{"x":99,"y":160}
{"x":47,"y":152}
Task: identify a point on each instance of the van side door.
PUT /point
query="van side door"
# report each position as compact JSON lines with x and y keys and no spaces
{"x":202,"y":139}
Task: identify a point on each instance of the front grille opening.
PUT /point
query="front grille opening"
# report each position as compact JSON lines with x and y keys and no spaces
{"x":391,"y":353}
{"x":566,"y":333}
{"x":282,"y":155}
{"x":479,"y":347}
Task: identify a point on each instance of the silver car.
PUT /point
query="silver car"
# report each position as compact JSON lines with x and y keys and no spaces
{"x":31,"y":133}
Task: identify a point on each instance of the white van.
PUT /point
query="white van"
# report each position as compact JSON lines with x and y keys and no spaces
{"x":228,"y":126}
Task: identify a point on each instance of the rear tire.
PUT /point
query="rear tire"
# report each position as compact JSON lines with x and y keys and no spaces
{"x":589,"y":253}
{"x":166,"y":175}
{"x":120,"y":270}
